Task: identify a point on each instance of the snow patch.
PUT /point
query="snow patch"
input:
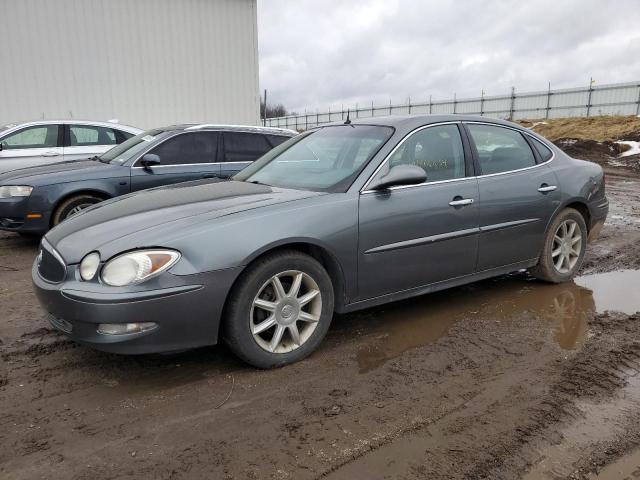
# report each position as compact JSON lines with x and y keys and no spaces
{"x":633,"y":150}
{"x":535,"y":124}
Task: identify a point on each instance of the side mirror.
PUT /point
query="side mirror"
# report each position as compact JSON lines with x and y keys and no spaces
{"x":150,"y":160}
{"x":399,"y":175}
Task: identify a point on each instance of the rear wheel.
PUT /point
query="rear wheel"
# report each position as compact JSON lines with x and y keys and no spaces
{"x":280,"y":310}
{"x":73,"y":206}
{"x":564,"y":248}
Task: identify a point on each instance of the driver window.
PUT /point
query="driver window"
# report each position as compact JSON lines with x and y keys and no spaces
{"x":437,"y":150}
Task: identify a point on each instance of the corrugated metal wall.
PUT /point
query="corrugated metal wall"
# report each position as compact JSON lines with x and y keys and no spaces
{"x":146,"y":62}
{"x":614,"y":99}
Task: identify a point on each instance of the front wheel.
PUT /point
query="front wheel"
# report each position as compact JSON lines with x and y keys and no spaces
{"x":564,"y":248}
{"x":280,"y":310}
{"x":73,"y":206}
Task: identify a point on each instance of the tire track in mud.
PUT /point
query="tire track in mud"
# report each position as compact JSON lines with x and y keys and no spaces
{"x":597,"y":374}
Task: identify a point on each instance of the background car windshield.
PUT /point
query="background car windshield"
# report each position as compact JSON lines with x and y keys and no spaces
{"x":130,"y":148}
{"x":326,"y":159}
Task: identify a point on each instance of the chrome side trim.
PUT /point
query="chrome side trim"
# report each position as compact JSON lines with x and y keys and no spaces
{"x":448,"y":236}
{"x":501,"y":226}
{"x":386,"y":159}
{"x":423,"y":240}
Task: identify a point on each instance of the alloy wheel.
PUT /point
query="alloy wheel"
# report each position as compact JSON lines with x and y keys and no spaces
{"x":567,"y":246}
{"x":77,"y":209}
{"x":286,"y":311}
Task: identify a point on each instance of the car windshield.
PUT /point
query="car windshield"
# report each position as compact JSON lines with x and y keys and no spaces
{"x":131,"y":147}
{"x":326,"y":159}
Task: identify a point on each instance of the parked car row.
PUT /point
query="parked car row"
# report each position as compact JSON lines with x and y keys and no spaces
{"x":339,"y":218}
{"x":36,"y":198}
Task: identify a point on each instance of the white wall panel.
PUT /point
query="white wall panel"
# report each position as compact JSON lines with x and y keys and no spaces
{"x":146,"y":62}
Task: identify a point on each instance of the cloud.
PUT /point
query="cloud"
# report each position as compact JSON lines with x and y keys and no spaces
{"x":319,"y":54}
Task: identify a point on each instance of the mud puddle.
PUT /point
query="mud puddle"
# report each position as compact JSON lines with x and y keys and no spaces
{"x":626,"y":468}
{"x":564,"y":308}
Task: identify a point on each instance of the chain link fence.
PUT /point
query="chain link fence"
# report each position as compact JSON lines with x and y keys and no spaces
{"x":612,"y":99}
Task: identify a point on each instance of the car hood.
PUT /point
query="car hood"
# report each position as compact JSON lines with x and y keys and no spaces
{"x":59,"y":172}
{"x":112,"y":221}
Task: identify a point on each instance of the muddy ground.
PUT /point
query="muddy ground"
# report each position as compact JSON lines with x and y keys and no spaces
{"x":507,"y":378}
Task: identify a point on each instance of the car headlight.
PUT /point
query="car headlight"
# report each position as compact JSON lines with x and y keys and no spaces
{"x":137,"y":266}
{"x":9,"y":191}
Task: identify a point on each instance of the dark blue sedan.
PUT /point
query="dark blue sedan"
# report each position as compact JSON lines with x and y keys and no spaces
{"x":32,"y":200}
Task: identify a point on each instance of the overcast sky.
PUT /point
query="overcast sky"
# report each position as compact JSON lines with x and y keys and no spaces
{"x":316,"y":54}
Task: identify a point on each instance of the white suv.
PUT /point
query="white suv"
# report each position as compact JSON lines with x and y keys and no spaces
{"x":48,"y":141}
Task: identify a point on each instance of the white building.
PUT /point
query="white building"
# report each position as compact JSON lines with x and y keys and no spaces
{"x":147,"y":63}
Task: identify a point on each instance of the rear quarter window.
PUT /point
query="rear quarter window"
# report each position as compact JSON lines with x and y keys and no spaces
{"x":544,"y":151}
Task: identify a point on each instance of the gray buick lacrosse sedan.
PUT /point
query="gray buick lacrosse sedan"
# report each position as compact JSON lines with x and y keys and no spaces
{"x":342,"y":217}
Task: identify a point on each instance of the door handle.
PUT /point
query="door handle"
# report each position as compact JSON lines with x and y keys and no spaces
{"x":50,"y":154}
{"x":461,"y":202}
{"x":544,"y":188}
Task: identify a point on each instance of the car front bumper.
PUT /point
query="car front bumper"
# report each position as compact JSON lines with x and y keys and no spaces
{"x":186,"y":310}
{"x":13,"y":216}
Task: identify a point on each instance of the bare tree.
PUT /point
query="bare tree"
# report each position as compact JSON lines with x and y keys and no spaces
{"x":278,"y":110}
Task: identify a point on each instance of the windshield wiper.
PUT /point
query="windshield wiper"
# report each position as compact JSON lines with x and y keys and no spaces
{"x":258,"y":182}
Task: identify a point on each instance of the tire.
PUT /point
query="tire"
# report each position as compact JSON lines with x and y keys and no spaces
{"x":547,"y":268}
{"x":66,"y":208}
{"x":282,"y":312}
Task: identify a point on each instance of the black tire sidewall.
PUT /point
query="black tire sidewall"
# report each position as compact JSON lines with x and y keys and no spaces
{"x":236,"y":325}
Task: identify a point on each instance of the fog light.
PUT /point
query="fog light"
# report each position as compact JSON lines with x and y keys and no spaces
{"x":124,"y":328}
{"x":89,"y":266}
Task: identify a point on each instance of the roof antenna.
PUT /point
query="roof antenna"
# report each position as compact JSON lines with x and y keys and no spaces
{"x":347,"y":121}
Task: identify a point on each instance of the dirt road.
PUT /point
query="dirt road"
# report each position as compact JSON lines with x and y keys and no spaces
{"x":507,"y":378}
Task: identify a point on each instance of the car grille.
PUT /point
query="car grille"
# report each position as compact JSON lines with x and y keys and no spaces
{"x":60,"y":324}
{"x":50,"y":265}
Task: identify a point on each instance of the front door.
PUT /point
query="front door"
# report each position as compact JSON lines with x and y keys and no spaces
{"x":31,"y":146}
{"x":183,"y":157}
{"x":518,"y":195}
{"x":422,"y":234}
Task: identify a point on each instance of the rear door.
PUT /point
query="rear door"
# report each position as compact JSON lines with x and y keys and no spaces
{"x":183,"y":157}
{"x":30,"y":146}
{"x":518,"y":194}
{"x":240,"y":150}
{"x":417,"y":235}
{"x":84,"y":141}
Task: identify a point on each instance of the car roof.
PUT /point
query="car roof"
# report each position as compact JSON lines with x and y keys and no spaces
{"x":97,"y":123}
{"x":232,"y":128}
{"x":413,"y":121}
